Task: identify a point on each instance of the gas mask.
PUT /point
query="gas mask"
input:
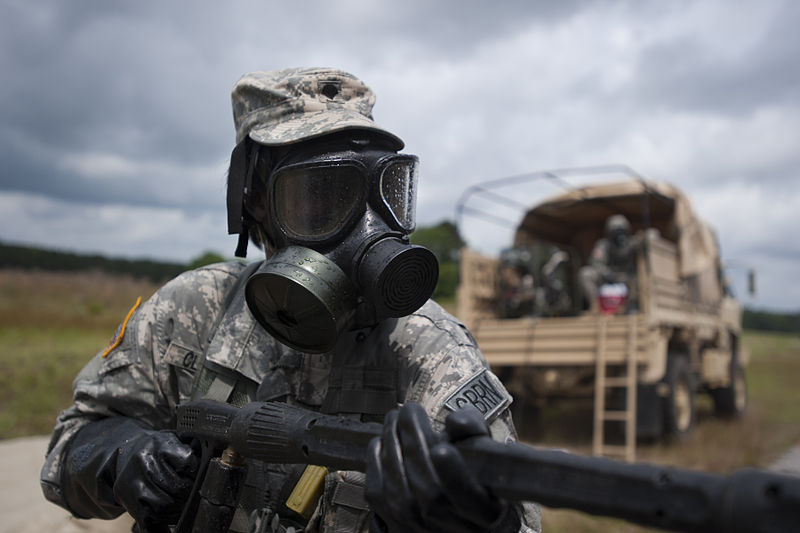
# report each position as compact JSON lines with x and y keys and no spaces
{"x":617,"y":229}
{"x":339,"y":225}
{"x":619,"y":238}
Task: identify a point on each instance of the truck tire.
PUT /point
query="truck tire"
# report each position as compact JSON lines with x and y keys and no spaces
{"x":679,"y":409}
{"x":731,"y":401}
{"x":649,"y":413}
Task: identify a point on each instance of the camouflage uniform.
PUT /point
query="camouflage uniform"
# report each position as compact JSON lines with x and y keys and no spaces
{"x":195,"y":336}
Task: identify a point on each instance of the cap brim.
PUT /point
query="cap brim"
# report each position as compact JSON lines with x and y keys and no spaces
{"x":312,"y":125}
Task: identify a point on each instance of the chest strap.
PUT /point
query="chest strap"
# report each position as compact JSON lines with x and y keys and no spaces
{"x":211,"y":381}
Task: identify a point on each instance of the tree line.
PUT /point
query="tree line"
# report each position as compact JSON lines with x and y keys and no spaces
{"x":442,"y":238}
{"x":29,"y":258}
{"x":770,"y":321}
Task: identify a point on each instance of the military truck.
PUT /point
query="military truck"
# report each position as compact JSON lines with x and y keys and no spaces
{"x":641,"y":365}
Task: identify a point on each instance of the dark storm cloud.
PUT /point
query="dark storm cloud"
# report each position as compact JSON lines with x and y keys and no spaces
{"x":99,"y":78}
{"x":24,"y":171}
{"x":106,"y":76}
{"x":454,"y":29}
{"x":149,"y":81}
{"x":120,"y":110}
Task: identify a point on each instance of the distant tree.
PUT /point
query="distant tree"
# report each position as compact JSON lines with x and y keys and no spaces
{"x":207,"y":258}
{"x":26,"y":257}
{"x":445,"y":290}
{"x":771,"y":321}
{"x":444,"y":241}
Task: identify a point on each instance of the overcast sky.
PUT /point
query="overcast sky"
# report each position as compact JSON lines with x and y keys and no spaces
{"x":116,"y":128}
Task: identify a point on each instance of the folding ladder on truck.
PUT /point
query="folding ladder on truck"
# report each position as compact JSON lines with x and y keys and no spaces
{"x":625,"y":379}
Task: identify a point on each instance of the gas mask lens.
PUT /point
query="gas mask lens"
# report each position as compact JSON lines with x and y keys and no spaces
{"x":398,"y":190}
{"x":314,"y":203}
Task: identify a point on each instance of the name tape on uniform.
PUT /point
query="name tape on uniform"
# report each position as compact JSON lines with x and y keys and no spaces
{"x":480,"y":393}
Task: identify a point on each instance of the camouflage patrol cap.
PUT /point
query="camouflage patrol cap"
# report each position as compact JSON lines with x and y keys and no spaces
{"x":286,"y":106}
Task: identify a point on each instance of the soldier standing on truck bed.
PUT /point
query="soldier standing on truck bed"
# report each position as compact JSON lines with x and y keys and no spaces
{"x":613,"y":260}
{"x":337,"y":319}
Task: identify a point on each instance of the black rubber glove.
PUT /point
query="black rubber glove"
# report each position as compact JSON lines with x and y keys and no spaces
{"x":417,"y":481}
{"x":117,"y":464}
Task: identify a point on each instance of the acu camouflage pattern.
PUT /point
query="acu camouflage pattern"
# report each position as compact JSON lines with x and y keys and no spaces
{"x":429,"y":356}
{"x":286,"y":106}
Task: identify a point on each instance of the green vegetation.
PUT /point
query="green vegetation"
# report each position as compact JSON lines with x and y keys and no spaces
{"x":444,"y":241}
{"x":36,"y":373}
{"x":769,"y":428}
{"x":54,"y":260}
{"x":442,"y":238}
{"x":28,"y":258}
{"x":207,"y":258}
{"x":769,"y":321}
{"x":51,"y":324}
{"x":765,"y":345}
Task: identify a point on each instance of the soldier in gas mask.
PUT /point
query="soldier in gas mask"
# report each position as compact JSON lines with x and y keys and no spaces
{"x":336,"y":319}
{"x":612,"y":261}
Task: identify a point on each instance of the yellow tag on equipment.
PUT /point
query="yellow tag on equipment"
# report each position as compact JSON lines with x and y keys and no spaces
{"x":305,"y":495}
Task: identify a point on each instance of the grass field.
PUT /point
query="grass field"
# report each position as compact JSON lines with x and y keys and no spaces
{"x":770,"y":426}
{"x":52,"y":324}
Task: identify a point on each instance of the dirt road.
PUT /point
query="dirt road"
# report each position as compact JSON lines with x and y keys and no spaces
{"x":23,"y":508}
{"x":789,"y":462}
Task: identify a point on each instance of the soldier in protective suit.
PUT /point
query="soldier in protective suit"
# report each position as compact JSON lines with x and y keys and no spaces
{"x":336,"y":319}
{"x":613,"y":260}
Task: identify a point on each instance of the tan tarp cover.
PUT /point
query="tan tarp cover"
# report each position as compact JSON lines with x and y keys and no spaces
{"x":576,"y":218}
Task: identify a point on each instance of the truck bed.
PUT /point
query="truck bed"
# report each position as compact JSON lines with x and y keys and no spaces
{"x":562,"y":341}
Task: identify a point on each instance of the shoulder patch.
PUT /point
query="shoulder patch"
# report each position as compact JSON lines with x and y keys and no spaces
{"x":481,"y":393}
{"x":120,"y":332}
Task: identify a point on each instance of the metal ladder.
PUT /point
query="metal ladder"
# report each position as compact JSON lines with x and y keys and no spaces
{"x":603,"y":383}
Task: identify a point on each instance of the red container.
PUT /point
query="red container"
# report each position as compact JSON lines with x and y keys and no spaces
{"x":612,"y":297}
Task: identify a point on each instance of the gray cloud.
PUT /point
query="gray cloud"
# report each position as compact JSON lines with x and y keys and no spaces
{"x":119,"y":112}
{"x":749,"y":67}
{"x":112,"y":77}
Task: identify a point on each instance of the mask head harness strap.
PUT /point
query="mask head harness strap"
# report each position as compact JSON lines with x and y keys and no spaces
{"x":240,"y":182}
